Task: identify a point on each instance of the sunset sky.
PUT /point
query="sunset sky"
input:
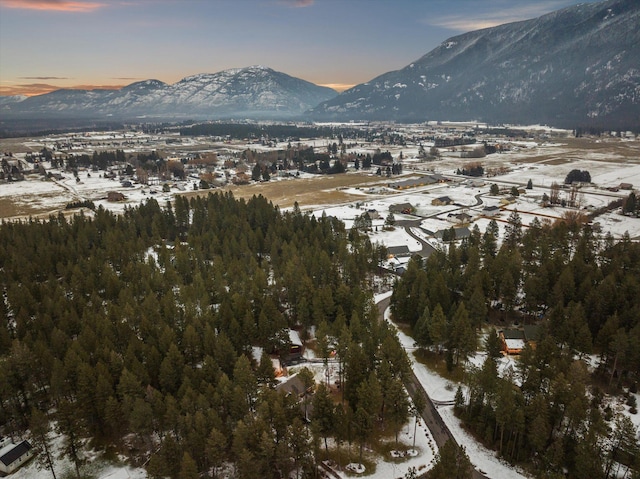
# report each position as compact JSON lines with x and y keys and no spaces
{"x":51,"y":44}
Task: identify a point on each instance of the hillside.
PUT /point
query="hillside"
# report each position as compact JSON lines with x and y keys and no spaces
{"x":579,"y":65}
{"x":255,"y":92}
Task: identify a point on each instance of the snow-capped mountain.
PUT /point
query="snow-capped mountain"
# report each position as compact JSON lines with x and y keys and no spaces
{"x":573,"y":66}
{"x":253,"y":92}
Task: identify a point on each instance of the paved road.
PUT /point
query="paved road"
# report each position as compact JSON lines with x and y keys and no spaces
{"x":430,"y":415}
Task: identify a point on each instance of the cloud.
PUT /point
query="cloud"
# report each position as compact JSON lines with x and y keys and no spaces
{"x":500,"y":14}
{"x":297,"y":3}
{"x":44,"y":78}
{"x":53,"y":5}
{"x":33,"y":89}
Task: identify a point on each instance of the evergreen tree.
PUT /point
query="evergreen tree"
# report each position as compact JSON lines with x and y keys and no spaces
{"x":39,"y":425}
{"x":323,"y":413}
{"x":451,"y":462}
{"x":438,"y":327}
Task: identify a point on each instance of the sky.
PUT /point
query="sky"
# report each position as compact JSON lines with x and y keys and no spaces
{"x":50,"y":44}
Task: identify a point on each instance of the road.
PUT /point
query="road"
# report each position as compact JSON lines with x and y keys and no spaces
{"x":408,"y":225}
{"x":430,"y":415}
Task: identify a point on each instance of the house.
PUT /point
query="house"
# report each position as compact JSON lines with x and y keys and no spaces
{"x":460,"y":233}
{"x":490,"y":211}
{"x":402,"y":208}
{"x":626,"y":186}
{"x":296,"y":349}
{"x":12,"y":456}
{"x":459,"y":218}
{"x":292,"y":385}
{"x":398,"y":251}
{"x":513,"y":341}
{"x":442,"y":201}
{"x":373,"y":214}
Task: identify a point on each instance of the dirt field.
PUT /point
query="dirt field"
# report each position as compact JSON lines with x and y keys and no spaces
{"x":307,"y":191}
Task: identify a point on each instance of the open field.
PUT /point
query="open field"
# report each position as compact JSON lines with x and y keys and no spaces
{"x":306,"y":191}
{"x":610,"y":161}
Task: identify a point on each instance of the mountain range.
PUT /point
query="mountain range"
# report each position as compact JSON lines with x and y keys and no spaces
{"x":576,"y":66}
{"x":255,"y":92}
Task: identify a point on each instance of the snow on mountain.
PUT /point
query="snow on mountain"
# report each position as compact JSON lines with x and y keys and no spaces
{"x":253,"y":92}
{"x":576,"y":65}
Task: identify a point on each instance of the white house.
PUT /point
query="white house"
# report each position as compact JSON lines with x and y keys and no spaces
{"x":12,"y":456}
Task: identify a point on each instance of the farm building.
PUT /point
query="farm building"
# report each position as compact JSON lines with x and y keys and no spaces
{"x":413,"y":182}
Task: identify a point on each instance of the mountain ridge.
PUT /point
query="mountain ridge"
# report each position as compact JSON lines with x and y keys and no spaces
{"x":578,"y":64}
{"x":254,"y":92}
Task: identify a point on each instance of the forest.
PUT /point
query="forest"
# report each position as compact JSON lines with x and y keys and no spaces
{"x":555,"y":413}
{"x":133,"y":334}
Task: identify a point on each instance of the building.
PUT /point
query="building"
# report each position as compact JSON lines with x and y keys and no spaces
{"x":296,"y":349}
{"x":414,"y":182}
{"x":402,"y":208}
{"x":12,"y":456}
{"x":442,"y":201}
{"x":490,"y":211}
{"x":401,"y":251}
{"x":513,"y":341}
{"x":459,"y":218}
{"x":460,"y":233}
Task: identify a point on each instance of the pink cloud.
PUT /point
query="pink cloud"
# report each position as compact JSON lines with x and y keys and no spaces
{"x":53,"y":5}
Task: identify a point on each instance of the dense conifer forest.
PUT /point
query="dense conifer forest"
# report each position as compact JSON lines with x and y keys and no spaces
{"x":553,"y":413}
{"x":133,"y":334}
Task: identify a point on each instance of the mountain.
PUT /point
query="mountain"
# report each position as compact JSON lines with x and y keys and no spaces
{"x":254,"y":92}
{"x":578,"y":65}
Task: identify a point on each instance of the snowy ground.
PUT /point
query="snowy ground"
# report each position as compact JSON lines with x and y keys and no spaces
{"x":386,"y":468}
{"x":440,"y":389}
{"x":94,"y":466}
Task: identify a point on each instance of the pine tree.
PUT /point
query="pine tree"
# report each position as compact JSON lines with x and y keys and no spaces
{"x":323,"y":413}
{"x":398,"y":406}
{"x":39,"y":425}
{"x":452,"y":462}
{"x":188,"y":468}
{"x":215,"y":449}
{"x":438,"y":327}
